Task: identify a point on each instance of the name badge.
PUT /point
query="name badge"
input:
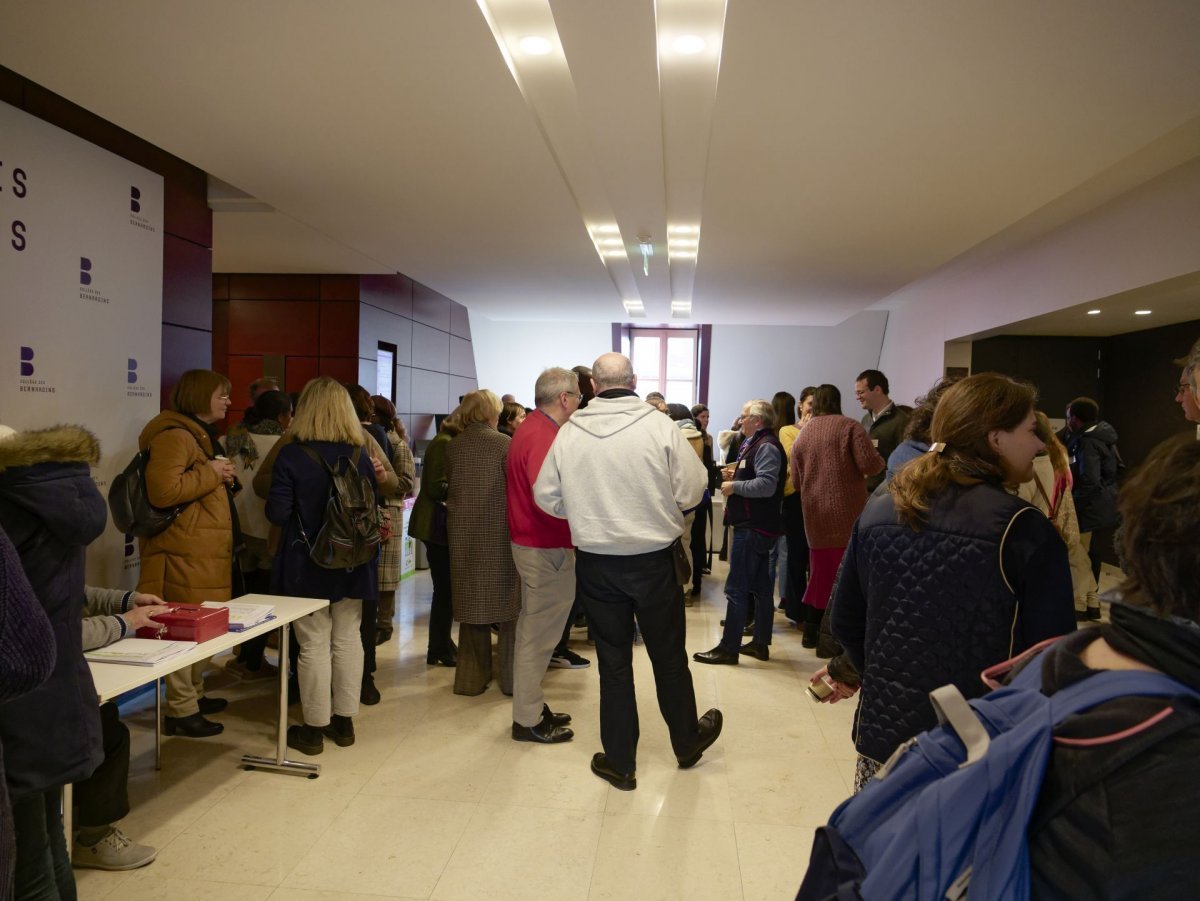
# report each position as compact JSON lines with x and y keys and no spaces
{"x":875,"y":443}
{"x":741,"y":464}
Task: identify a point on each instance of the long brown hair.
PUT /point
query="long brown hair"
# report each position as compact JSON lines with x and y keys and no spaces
{"x":965,"y":414}
{"x":1054,"y":448}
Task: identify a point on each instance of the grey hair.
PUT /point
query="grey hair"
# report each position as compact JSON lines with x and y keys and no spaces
{"x":1191,"y":365}
{"x":553,"y":382}
{"x":612,"y":371}
{"x":763,"y":410}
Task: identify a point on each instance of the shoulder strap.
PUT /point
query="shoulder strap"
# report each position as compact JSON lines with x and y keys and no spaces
{"x":315,"y":456}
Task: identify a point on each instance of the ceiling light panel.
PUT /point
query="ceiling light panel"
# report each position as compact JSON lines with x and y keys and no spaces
{"x":689,"y":39}
{"x":527,"y":37}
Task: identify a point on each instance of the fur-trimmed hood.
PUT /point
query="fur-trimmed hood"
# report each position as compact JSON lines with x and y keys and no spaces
{"x":45,"y":477}
{"x":57,"y":444}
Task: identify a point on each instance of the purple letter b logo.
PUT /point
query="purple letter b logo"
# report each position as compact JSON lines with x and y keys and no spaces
{"x":85,"y":269}
{"x":26,"y":362}
{"x":134,"y":196}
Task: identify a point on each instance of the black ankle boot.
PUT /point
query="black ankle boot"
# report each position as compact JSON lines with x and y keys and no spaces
{"x":194,"y":726}
{"x":306,"y":739}
{"x":811,"y":631}
{"x":341,"y":730}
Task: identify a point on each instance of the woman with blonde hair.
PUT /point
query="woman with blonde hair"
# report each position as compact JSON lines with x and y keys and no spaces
{"x":947,"y":572}
{"x":428,"y":525}
{"x":393,"y":549}
{"x":325,"y":432}
{"x":1050,"y":491}
{"x":192,"y":561}
{"x":486,"y":588}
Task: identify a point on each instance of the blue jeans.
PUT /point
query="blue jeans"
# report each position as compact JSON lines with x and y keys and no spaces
{"x":749,"y":558}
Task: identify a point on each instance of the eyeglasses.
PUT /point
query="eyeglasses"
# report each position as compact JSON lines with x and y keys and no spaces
{"x":224,"y":397}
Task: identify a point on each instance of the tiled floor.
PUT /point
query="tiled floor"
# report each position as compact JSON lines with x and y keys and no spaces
{"x":436,"y":801}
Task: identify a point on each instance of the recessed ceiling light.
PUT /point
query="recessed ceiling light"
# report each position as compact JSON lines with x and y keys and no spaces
{"x":688,"y":44}
{"x":535,"y":45}
{"x":1093,"y":312}
{"x":1142,"y":312}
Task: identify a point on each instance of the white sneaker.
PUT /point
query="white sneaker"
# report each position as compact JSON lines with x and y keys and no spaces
{"x":116,"y":851}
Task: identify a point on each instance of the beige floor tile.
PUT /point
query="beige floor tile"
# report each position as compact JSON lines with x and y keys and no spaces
{"x":303,"y":894}
{"x":92,"y":885}
{"x":653,"y":858}
{"x":436,"y":766}
{"x":385,"y":846}
{"x":154,"y":884}
{"x":790,"y":791}
{"x":256,"y":835}
{"x":772,"y":859}
{"x":513,"y":852}
{"x":700,"y":793}
{"x":557,"y":776}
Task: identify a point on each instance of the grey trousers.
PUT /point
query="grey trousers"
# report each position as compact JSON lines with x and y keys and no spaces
{"x":331,"y":661}
{"x":547,"y":594}
{"x":474,"y":669}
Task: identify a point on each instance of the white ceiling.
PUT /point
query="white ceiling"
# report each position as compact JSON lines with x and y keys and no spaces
{"x":849,"y":148}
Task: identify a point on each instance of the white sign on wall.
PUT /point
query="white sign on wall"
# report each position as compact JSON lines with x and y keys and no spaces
{"x":81,"y":257}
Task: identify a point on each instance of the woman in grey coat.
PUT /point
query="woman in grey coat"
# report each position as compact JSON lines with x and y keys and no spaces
{"x":486,"y":588}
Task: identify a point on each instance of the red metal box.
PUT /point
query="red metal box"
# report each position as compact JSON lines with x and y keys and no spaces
{"x":188,"y":622}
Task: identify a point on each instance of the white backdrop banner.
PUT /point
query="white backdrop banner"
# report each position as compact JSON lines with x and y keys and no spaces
{"x":81,"y":257}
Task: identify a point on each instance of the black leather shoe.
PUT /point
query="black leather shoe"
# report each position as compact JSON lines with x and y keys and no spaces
{"x":756,"y":650}
{"x":194,"y":726}
{"x":340,"y":729}
{"x":710,"y":727}
{"x":212,"y":705}
{"x":559,"y":719}
{"x":382,"y":636}
{"x":442,"y":658}
{"x":369,"y":694}
{"x":626,"y":782}
{"x":716,"y":655}
{"x":306,"y":739}
{"x":748,"y":630}
{"x":546,"y":732}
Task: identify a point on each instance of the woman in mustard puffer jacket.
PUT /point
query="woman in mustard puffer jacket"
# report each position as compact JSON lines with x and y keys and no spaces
{"x":193,"y":560}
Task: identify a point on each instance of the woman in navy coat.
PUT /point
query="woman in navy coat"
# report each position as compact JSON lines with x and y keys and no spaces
{"x":331,"y":655}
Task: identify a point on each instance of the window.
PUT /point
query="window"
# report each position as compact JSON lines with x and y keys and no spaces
{"x":385,"y":371}
{"x":666,"y":360}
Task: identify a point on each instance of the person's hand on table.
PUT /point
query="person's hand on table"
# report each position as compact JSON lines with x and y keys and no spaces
{"x":140,"y":617}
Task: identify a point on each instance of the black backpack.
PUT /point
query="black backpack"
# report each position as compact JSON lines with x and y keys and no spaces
{"x":132,"y":511}
{"x":349,"y":534}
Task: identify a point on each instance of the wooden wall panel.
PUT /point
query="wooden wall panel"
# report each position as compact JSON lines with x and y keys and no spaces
{"x":242,"y":370}
{"x":344,"y":369}
{"x":300,"y":371}
{"x":274,"y":287}
{"x":220,"y":335}
{"x":339,"y":329}
{"x":274,"y":327}
{"x":338,"y":287}
{"x":187,"y":291}
{"x":182,"y":349}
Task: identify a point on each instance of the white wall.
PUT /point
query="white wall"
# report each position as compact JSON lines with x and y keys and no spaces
{"x":509,"y":356}
{"x":750,"y":361}
{"x":1147,"y":235}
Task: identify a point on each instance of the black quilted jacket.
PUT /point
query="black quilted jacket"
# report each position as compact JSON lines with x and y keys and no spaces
{"x":986,"y":578}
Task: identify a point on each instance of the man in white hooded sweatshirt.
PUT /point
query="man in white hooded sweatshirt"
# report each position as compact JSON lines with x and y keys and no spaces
{"x":622,"y":476}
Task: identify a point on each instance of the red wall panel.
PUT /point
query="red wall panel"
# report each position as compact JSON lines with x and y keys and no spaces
{"x":299,"y":372}
{"x":339,"y":329}
{"x":344,"y":369}
{"x":241,"y":372}
{"x":274,"y":287}
{"x":339,"y":287}
{"x":274,"y":327}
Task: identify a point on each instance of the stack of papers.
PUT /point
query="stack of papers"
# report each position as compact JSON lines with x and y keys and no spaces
{"x":139,"y":651}
{"x":244,"y":616}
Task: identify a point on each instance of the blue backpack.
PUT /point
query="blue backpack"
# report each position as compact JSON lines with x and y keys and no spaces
{"x":948,"y":813}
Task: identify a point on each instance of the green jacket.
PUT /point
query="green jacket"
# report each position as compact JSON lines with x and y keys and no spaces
{"x":886,"y":434}
{"x":434,"y":488}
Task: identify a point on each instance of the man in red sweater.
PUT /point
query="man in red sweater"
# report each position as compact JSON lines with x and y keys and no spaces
{"x":545,"y":559}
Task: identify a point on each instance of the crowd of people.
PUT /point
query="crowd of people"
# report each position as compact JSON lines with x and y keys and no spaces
{"x":913,"y":548}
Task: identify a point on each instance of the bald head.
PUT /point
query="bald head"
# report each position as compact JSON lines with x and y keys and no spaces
{"x":612,"y":371}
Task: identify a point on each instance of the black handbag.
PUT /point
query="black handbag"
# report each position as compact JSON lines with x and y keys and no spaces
{"x":132,"y":511}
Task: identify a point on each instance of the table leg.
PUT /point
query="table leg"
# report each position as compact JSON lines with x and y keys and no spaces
{"x":158,"y":724}
{"x":280,"y":761}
